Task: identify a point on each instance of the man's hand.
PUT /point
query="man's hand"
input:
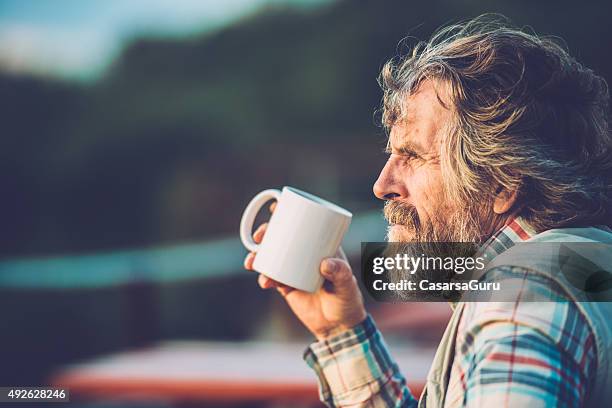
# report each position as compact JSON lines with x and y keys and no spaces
{"x":335,"y":307}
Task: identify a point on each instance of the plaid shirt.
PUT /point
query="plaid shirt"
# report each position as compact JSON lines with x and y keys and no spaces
{"x":505,"y":355}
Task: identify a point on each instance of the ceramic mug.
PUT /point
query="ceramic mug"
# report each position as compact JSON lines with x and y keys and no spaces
{"x":302,"y":231}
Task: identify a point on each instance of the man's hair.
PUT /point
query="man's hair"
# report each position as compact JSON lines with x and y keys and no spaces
{"x":526,"y":116}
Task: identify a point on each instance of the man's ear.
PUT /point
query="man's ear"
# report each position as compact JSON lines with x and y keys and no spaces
{"x":504,"y":200}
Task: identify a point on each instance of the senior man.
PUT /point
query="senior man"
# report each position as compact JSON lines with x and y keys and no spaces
{"x":496,"y":136}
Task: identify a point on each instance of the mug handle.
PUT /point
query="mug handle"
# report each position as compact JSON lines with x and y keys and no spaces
{"x":248,"y":217}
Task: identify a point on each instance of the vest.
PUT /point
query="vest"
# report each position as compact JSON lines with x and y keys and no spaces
{"x":597,"y":314}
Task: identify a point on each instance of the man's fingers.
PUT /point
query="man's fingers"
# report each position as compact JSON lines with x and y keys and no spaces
{"x":257,"y":237}
{"x":265,"y":282}
{"x":338,"y":272}
{"x":259,"y":232}
{"x":283,"y":289}
{"x":272,"y":206}
{"x":248,"y":261}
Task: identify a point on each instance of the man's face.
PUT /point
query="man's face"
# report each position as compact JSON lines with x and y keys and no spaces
{"x":417,"y":206}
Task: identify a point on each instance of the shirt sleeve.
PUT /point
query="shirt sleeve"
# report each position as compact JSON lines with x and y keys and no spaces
{"x":355,"y":369}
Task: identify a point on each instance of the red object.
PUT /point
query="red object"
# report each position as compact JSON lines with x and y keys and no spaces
{"x":200,"y":371}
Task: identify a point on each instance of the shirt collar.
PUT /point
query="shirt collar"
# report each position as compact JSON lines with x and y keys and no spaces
{"x":514,"y":231}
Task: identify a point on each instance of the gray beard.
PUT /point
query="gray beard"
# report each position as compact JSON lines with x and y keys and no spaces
{"x":441,"y":242}
{"x":435,"y":274}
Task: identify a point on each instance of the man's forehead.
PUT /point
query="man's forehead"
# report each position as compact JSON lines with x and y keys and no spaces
{"x":423,"y":116}
{"x":402,"y":136}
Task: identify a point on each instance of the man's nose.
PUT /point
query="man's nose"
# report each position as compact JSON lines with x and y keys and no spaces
{"x":387,"y":186}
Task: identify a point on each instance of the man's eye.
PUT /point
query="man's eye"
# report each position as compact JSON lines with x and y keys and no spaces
{"x":408,"y":154}
{"x":404,"y":154}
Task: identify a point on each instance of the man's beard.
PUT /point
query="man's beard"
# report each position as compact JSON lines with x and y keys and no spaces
{"x":433,"y":238}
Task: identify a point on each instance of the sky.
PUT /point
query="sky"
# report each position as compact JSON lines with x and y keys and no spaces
{"x":78,"y":39}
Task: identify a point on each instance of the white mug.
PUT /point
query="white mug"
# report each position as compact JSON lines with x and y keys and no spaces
{"x":302,"y":231}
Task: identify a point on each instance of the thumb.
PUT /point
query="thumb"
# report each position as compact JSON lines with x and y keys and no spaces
{"x":339,"y":273}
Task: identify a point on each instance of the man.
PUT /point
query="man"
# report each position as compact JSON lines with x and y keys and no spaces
{"x":496,"y":137}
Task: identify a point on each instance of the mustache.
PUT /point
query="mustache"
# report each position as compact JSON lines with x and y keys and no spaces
{"x":401,"y":214}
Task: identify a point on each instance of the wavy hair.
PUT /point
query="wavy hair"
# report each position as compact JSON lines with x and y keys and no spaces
{"x":527,"y":117}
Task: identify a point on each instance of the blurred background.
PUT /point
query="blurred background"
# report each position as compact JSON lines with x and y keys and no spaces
{"x":133,"y":134}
